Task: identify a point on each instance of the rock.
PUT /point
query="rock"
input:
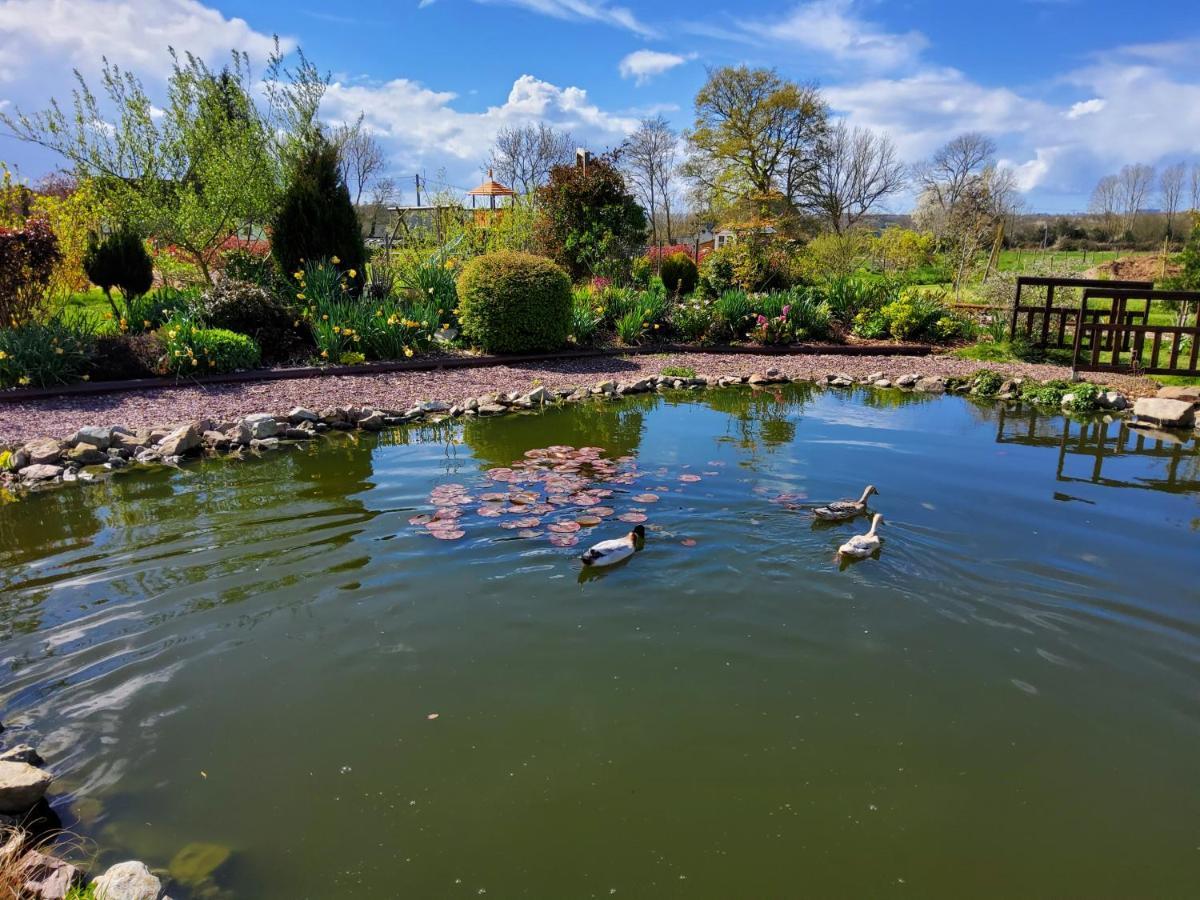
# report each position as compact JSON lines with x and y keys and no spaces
{"x":22,"y":753}
{"x":374,"y":422}
{"x":930,"y":384}
{"x":773,"y":373}
{"x":196,"y":863}
{"x":1114,"y":400}
{"x":606,"y":387}
{"x":882,"y":383}
{"x":87,"y":455}
{"x":128,"y":442}
{"x":43,"y":451}
{"x":300,"y":414}
{"x":758,"y":378}
{"x":841,"y":381}
{"x":180,"y":441}
{"x":491,"y":409}
{"x":470,"y":404}
{"x":299,"y":434}
{"x":434,"y":406}
{"x":1186,"y":393}
{"x":216,"y":440}
{"x":47,"y":877}
{"x":907,"y":381}
{"x":875,"y":376}
{"x":1164,"y":412}
{"x":261,"y":425}
{"x":21,"y":786}
{"x":271,"y":443}
{"x":539,"y":395}
{"x":39,"y":472}
{"x":96,"y":435}
{"x":127,"y":881}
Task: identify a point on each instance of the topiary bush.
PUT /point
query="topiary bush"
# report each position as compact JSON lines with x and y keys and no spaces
{"x":511,"y":302}
{"x":252,"y":310}
{"x":679,"y":274}
{"x":119,"y":260}
{"x":195,"y":350}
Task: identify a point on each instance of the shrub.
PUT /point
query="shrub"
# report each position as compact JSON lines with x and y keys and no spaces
{"x":118,"y":357}
{"x":252,"y":310}
{"x":871,"y":324}
{"x":119,"y":260}
{"x":693,"y":320}
{"x":316,"y":219}
{"x":42,"y":354}
{"x":28,"y":256}
{"x":1048,"y":393}
{"x":642,"y":270}
{"x":732,"y":309}
{"x":195,"y":350}
{"x":716,"y":274}
{"x":432,"y":281}
{"x":987,"y":382}
{"x":679,"y":274}
{"x":586,"y":316}
{"x":252,"y":266}
{"x":1085,"y":397}
{"x":678,"y":372}
{"x":512,"y":302}
{"x":847,"y":297}
{"x":835,"y":255}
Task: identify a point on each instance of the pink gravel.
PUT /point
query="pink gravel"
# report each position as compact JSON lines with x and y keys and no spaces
{"x":60,"y":417}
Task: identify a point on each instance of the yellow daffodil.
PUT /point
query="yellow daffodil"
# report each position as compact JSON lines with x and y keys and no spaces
{"x":352,"y":273}
{"x":300,"y":297}
{"x":86,"y":377}
{"x":335,"y":260}
{"x":58,"y":351}
{"x":23,"y":380}
{"x":324,"y":354}
{"x":193,"y":360}
{"x":3,"y":355}
{"x":145,"y":323}
{"x":408,"y":351}
{"x":325,"y":317}
{"x":298,"y":275}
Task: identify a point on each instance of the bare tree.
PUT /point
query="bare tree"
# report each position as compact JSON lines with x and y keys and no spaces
{"x":1105,"y":201}
{"x":361,"y":158}
{"x":952,"y":168}
{"x":649,"y":157}
{"x":523,"y":155}
{"x":854,"y":171}
{"x":1170,"y":192}
{"x":1134,"y":183}
{"x":1195,"y":187}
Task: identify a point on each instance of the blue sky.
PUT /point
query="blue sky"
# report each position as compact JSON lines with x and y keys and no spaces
{"x":1070,"y":90}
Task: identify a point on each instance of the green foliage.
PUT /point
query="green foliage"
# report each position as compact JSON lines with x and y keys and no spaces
{"x":316,"y":219}
{"x":678,"y":372}
{"x":254,"y":311}
{"x":987,"y":382}
{"x":194,"y":350}
{"x":639,"y":314}
{"x":40,"y":354}
{"x":117,"y":357}
{"x":431,"y":281}
{"x":1085,"y":397}
{"x":1048,"y":393}
{"x":834,"y":255}
{"x":586,"y":316}
{"x":679,"y":274}
{"x":28,"y":256}
{"x":716,"y":274}
{"x":912,"y":316}
{"x":693,"y":320}
{"x":241,"y":264}
{"x":871,"y":323}
{"x":905,"y":250}
{"x":588,"y":221}
{"x":848,"y":297}
{"x":731,"y":310}
{"x":119,"y":260}
{"x":642,"y":270}
{"x":511,"y":302}
{"x":799,"y":314}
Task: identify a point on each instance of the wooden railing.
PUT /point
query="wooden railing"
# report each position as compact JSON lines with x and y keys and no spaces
{"x":1046,"y":324}
{"x":1117,"y":341}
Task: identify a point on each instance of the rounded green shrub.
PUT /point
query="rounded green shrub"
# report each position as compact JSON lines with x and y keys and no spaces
{"x":679,"y":274}
{"x":252,"y":310}
{"x":512,"y":302}
{"x":193,"y":350}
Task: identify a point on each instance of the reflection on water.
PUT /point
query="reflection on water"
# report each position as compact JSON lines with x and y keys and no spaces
{"x":265,"y":658}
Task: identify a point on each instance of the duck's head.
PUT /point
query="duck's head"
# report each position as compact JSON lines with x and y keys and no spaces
{"x":871,"y":489}
{"x":639,"y":532}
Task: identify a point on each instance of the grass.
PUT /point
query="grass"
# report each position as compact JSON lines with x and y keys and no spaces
{"x":679,"y":372}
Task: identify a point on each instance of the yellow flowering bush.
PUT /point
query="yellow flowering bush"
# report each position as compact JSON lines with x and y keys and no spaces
{"x":44,"y":354}
{"x":194,"y":350}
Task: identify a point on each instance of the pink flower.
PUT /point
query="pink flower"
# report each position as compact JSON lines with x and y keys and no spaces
{"x":786,"y":310}
{"x":762,"y":320}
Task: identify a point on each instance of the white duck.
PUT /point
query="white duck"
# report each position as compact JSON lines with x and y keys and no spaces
{"x":606,"y":553}
{"x":841,"y":510}
{"x":863,"y":545}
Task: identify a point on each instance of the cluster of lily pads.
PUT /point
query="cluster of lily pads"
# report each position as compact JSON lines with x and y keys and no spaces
{"x":557,"y":492}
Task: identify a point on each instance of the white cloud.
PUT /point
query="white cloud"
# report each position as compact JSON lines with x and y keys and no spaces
{"x":1085,"y":108}
{"x":836,"y":29}
{"x":40,"y":35}
{"x":421,"y":127}
{"x":643,"y":65}
{"x":600,"y":11}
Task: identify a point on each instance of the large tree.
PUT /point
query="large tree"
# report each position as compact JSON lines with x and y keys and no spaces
{"x":649,"y":161}
{"x":855,"y":170}
{"x":755,"y":136}
{"x":1105,"y":202}
{"x":523,"y":155}
{"x":1170,"y":193}
{"x":361,"y":159}
{"x":1134,"y":183}
{"x":588,"y":221}
{"x":195,"y":172}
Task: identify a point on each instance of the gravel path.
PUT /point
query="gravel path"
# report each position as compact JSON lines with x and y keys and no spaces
{"x":60,"y":417}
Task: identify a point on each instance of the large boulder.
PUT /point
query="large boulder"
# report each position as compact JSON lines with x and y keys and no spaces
{"x":43,"y":451}
{"x":182,"y":440}
{"x":22,"y":753}
{"x":21,"y":786}
{"x":1164,"y":413}
{"x":87,"y":454}
{"x":47,"y":877}
{"x":127,"y":881}
{"x":41,"y":472}
{"x":96,"y":435}
{"x":1185,"y":392}
{"x":261,"y":425}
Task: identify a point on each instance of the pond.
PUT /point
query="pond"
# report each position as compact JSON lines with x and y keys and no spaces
{"x":267,"y":666}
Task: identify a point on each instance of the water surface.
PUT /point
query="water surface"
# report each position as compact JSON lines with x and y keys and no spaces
{"x":267,"y":657}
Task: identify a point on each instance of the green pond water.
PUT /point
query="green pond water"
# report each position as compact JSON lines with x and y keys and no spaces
{"x":265,"y":663}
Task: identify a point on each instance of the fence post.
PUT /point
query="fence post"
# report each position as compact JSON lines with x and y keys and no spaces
{"x":1012,"y":331}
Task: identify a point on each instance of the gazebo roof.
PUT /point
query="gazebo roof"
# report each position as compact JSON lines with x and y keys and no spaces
{"x":491,"y":188}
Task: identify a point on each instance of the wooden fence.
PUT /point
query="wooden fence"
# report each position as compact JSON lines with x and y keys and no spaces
{"x":1045,"y":324}
{"x":1114,"y":338}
